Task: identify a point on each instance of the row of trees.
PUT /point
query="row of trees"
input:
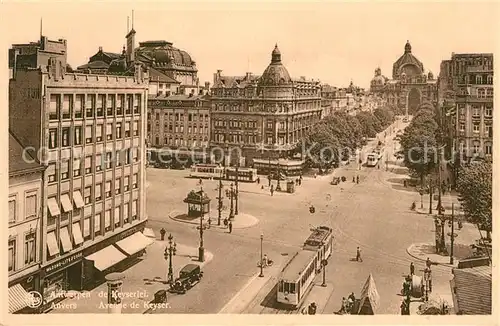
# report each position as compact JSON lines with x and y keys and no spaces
{"x":339,"y":134}
{"x":420,"y":147}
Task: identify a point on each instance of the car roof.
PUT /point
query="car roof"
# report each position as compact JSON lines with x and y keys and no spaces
{"x":189,"y":268}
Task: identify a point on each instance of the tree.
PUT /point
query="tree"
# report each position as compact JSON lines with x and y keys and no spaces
{"x":369,"y":124}
{"x":474,"y":186}
{"x":320,"y":146}
{"x":419,"y":150}
{"x":384,"y":115}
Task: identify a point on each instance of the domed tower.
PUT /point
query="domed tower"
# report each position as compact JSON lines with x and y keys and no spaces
{"x":408,"y":64}
{"x":276,"y":73}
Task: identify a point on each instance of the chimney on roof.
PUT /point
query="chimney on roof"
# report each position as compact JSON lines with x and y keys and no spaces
{"x":100,"y":49}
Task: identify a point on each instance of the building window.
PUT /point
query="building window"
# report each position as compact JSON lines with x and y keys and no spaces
{"x":98,"y":162}
{"x":12,"y":210}
{"x":54,"y":107}
{"x":127,"y":156}
{"x":125,"y":213}
{"x":119,"y":105}
{"x":64,"y":170}
{"x":29,"y":248}
{"x":89,"y":107}
{"x":462,"y":126}
{"x":77,"y":171}
{"x":100,"y":105}
{"x":157,"y":140}
{"x":136,"y":128}
{"x":107,"y":220}
{"x":118,"y":186}
{"x":134,"y":181}
{"x":109,"y":131}
{"x":65,"y":137}
{"x":78,"y":135}
{"x":66,"y":106}
{"x":98,"y":133}
{"x":89,"y":137}
{"x":12,"y":255}
{"x":476,"y":147}
{"x":488,"y":111}
{"x":489,"y":131}
{"x":88,"y":164}
{"x":134,"y":209}
{"x":127,"y":128}
{"x":52,"y":138}
{"x":98,"y":189}
{"x":479,"y":79}
{"x":117,"y":216}
{"x":109,"y":105}
{"x":78,"y":106}
{"x":108,"y":189}
{"x":130,"y":103}
{"x":31,"y":204}
{"x":109,"y":160}
{"x":488,"y":149}
{"x":87,"y":194}
{"x":118,"y":159}
{"x":86,"y":228}
{"x":126,"y":183}
{"x":118,"y":130}
{"x":137,"y":103}
{"x":476,"y":127}
{"x":51,"y":172}
{"x":97,"y":225}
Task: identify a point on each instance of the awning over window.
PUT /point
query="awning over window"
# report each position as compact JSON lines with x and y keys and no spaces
{"x":53,"y":207}
{"x":134,"y":243}
{"x":105,"y":258}
{"x":77,"y":233}
{"x":65,"y":239}
{"x":66,"y":203}
{"x":77,"y":199}
{"x":18,"y":298}
{"x":52,"y":244}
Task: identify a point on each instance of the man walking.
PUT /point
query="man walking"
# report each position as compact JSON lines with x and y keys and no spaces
{"x":230,"y":227}
{"x":272,"y":190}
{"x":357,"y":179}
{"x":162,"y":234}
{"x":428,"y":263}
{"x":358,"y":255}
{"x":412,"y":269}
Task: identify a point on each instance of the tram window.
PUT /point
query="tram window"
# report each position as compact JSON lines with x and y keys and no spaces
{"x":280,"y":286}
{"x":292,"y":287}
{"x":287,"y":287}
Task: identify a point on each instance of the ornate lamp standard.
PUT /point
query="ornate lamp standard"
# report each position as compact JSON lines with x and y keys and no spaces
{"x":219,"y":204}
{"x":170,"y":250}
{"x":201,"y":227}
{"x":261,"y":258}
{"x":231,"y":196}
{"x":236,"y":184}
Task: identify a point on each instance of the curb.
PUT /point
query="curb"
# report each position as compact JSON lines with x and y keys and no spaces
{"x":222,"y":227}
{"x":408,"y":251}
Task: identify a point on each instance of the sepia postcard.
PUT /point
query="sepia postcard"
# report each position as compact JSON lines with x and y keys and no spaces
{"x":249,"y":162}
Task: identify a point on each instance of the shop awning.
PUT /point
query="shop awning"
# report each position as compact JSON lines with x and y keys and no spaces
{"x":66,"y":203}
{"x":52,"y":244}
{"x":18,"y":298}
{"x":53,"y":207}
{"x":77,"y":199}
{"x":107,"y":257}
{"x":77,"y":233}
{"x":65,"y":239}
{"x":149,"y":233}
{"x":134,"y":243}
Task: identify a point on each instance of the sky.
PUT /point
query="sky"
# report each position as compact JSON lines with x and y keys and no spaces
{"x":335,"y":42}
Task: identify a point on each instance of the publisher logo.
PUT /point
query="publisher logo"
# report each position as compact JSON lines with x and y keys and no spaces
{"x":34,"y":299}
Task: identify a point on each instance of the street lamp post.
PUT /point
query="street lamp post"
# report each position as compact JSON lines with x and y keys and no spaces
{"x":430,"y":196}
{"x":261,"y":258}
{"x":201,"y":249}
{"x":219,"y":207}
{"x":169,"y":251}
{"x":236,"y":184}
{"x":231,"y":210}
{"x":324,"y":262}
{"x":452,"y":235}
{"x":278,"y":186}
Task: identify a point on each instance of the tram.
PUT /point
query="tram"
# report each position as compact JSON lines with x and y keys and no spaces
{"x":215,"y":171}
{"x":296,"y":277}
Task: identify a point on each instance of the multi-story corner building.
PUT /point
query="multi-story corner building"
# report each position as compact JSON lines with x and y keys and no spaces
{"x":179,"y":121}
{"x":466,"y":84}
{"x":25,"y":218}
{"x":89,"y":132}
{"x":410,"y":85}
{"x":270,"y":113}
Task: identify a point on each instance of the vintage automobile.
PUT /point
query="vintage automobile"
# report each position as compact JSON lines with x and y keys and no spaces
{"x":188,"y":277}
{"x":335,"y":181}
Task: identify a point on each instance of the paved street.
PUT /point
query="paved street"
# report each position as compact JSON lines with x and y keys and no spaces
{"x":373,"y":215}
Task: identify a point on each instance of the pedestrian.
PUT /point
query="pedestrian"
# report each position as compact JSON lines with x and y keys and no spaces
{"x":272,"y":190}
{"x":429,"y":278}
{"x":312,"y":309}
{"x":258,"y":180}
{"x":209,"y":222}
{"x":357,"y":179}
{"x":358,"y":255}
{"x":428,"y":263}
{"x":230,"y":227}
{"x":162,"y":234}
{"x":344,"y":305}
{"x":353,"y":179}
{"x":352,"y":297}
{"x":412,"y":269}
{"x":225,"y":222}
{"x":269,"y":180}
{"x":403,"y":308}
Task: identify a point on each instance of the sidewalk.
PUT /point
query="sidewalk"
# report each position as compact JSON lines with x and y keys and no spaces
{"x":446,"y":200}
{"x":257,"y":288}
{"x":241,"y":221}
{"x":141,"y":282}
{"x":319,"y":295}
{"x":422,"y":251}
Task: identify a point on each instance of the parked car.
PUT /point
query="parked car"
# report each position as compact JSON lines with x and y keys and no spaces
{"x":189,"y":276}
{"x":335,"y":181}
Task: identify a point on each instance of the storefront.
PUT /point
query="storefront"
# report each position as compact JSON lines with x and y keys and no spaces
{"x":19,"y":291}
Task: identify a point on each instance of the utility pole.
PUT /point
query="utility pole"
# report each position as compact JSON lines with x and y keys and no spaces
{"x":201,"y":249}
{"x":430,"y":196}
{"x":219,"y":208}
{"x":278,"y":186}
{"x":452,"y":239}
{"x":236,"y":183}
{"x":231,"y":211}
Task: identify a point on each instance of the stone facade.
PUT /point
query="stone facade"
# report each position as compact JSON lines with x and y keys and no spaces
{"x":262,"y":116}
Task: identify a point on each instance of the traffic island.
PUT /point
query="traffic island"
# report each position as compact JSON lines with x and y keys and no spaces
{"x":240,"y":221}
{"x":422,"y":251}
